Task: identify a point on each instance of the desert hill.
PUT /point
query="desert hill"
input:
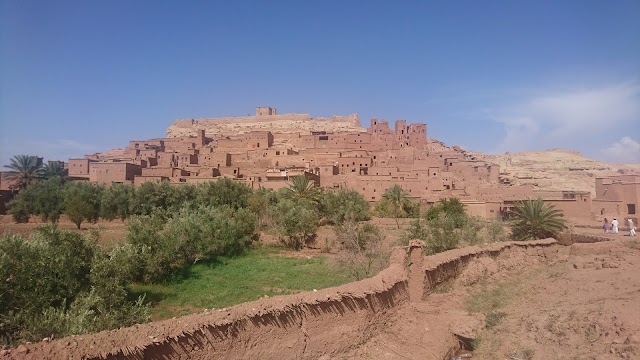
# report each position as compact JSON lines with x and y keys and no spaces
{"x":277,"y":124}
{"x":554,"y":169}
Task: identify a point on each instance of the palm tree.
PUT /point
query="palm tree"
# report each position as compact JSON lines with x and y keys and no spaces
{"x":533,"y":219}
{"x":54,"y":168}
{"x":303,"y":189}
{"x":396,"y":198}
{"x":25,"y":169}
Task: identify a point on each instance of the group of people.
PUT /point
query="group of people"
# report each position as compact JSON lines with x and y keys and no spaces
{"x":614,"y":226}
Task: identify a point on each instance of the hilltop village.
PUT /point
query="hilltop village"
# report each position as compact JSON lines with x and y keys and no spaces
{"x":266,"y":150}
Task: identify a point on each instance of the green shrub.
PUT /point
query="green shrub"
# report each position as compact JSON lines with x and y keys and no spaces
{"x":344,"y":206}
{"x":82,"y":202}
{"x":164,"y":247}
{"x":59,"y":283}
{"x":223,"y":192}
{"x":115,"y":201}
{"x":295,"y":222}
{"x":533,"y":219}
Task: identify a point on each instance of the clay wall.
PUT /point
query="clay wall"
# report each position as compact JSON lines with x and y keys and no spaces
{"x":572,"y":208}
{"x":78,"y":167}
{"x":214,"y":159}
{"x":607,"y":208}
{"x":496,"y":192}
{"x":164,"y":172}
{"x":139,"y":180}
{"x":118,"y":172}
{"x":309,"y":325}
{"x":485,"y":210}
{"x":625,"y":188}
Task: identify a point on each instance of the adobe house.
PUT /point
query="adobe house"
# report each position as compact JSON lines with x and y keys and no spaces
{"x":617,"y":195}
{"x":366,"y":160}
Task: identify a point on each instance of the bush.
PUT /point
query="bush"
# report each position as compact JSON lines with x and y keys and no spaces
{"x":115,"y":201}
{"x":43,"y":198}
{"x":362,"y":249}
{"x":224,"y":192}
{"x":533,"y":219}
{"x":295,"y":222}
{"x":164,"y":247}
{"x":82,"y":202}
{"x":344,"y":205}
{"x":59,"y":283}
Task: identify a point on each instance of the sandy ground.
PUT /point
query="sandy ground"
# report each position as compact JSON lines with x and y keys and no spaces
{"x":581,"y":303}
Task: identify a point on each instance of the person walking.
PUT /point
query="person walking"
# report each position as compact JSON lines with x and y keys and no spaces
{"x":632,"y":228}
{"x":614,"y":226}
{"x":606,"y":225}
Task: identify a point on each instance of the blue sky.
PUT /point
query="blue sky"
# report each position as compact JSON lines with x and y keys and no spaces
{"x":83,"y":76}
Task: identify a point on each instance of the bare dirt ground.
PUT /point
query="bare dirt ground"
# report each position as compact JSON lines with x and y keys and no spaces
{"x":581,"y":303}
{"x":110,"y":232}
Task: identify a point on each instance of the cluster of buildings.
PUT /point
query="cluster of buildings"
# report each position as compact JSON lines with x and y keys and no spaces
{"x":366,"y":160}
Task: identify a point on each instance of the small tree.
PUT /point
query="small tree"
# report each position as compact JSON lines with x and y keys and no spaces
{"x":24,"y":170}
{"x":82,"y":202}
{"x":295,"y":221}
{"x":344,"y":205}
{"x":362,"y":252}
{"x":115,"y":201}
{"x":54,"y":168}
{"x":533,"y":219}
{"x":396,"y":203}
{"x":302,"y":189}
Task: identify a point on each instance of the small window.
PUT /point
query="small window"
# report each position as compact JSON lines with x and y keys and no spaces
{"x":631,"y":209}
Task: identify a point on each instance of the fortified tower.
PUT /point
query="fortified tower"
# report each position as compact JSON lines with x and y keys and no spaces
{"x":265,"y":111}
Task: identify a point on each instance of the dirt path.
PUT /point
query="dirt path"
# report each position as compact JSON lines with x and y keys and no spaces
{"x":586,"y":306}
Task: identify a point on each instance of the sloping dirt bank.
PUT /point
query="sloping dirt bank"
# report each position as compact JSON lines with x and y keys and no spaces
{"x":314,"y":325}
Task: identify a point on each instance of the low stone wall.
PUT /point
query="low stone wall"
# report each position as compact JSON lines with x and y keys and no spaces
{"x":309,"y":325}
{"x":573,"y":238}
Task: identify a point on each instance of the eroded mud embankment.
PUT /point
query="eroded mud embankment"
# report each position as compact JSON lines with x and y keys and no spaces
{"x":302,"y":326}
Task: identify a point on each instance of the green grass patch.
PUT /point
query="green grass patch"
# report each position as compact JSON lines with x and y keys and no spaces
{"x":230,"y":281}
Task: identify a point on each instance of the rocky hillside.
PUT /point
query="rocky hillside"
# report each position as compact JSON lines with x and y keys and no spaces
{"x":277,"y":124}
{"x":554,"y":169}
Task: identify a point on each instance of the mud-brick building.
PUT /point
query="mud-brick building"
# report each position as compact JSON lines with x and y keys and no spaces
{"x":114,"y":172}
{"x":617,"y":196}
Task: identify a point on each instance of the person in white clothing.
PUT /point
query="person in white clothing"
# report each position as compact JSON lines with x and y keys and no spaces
{"x":632,"y":228}
{"x":614,"y":226}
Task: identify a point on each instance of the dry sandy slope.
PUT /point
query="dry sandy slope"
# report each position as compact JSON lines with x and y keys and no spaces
{"x":582,"y":302}
{"x":554,"y":169}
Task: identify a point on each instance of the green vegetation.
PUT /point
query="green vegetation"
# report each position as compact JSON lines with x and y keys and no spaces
{"x":344,"y":206}
{"x":229,"y":281}
{"x":56,"y":283}
{"x":188,"y":247}
{"x":24,"y":170}
{"x":446,"y":225}
{"x":533,"y":219}
{"x":491,"y":301}
{"x":396,"y":203}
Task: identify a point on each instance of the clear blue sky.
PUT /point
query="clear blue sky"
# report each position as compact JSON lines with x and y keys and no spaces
{"x":83,"y":76}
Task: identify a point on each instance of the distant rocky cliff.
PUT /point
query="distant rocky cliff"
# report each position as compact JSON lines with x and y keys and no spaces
{"x":555,"y":169}
{"x":277,"y":124}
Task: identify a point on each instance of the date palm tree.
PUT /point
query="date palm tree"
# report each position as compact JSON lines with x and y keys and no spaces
{"x":303,"y":189}
{"x":24,"y":170}
{"x":396,"y":197}
{"x":533,"y":219}
{"x":54,"y":168}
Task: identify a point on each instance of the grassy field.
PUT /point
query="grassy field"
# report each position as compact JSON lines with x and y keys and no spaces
{"x":229,"y":281}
